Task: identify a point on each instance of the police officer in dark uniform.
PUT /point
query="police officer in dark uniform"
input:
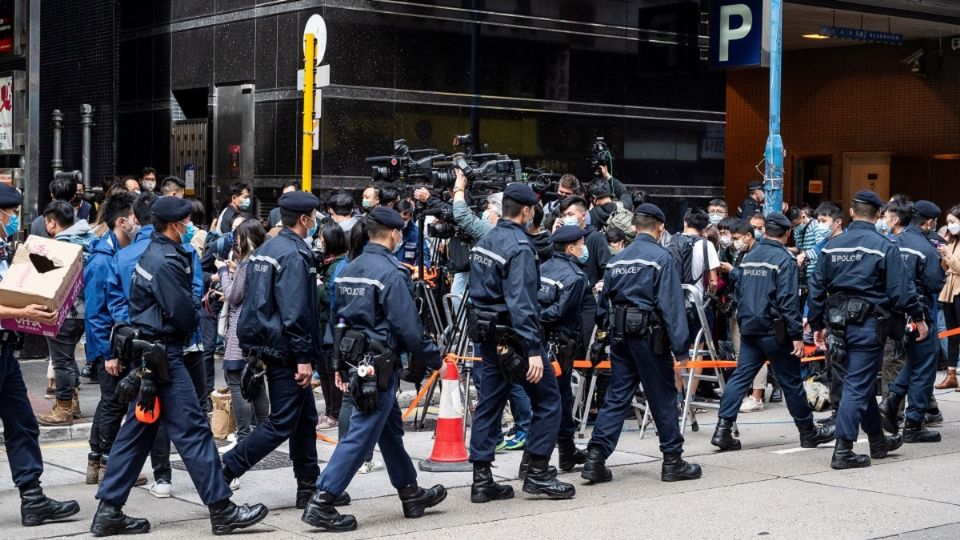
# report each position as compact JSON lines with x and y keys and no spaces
{"x":918,"y":373}
{"x":858,"y":280}
{"x":504,"y":281}
{"x":563,"y":283}
{"x":278,"y":325}
{"x":377,"y":321}
{"x":770,"y":328}
{"x":21,"y":433}
{"x":644,"y":304}
{"x":753,"y":203}
{"x":164,"y":312}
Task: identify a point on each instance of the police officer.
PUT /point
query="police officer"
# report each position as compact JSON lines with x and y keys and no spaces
{"x":917,"y":375}
{"x":563,"y":284}
{"x":21,"y":433}
{"x":770,"y":328}
{"x":165,"y":312}
{"x":644,"y":304}
{"x":504,"y":281}
{"x":753,"y":203}
{"x":279,"y":324}
{"x":377,"y":321}
{"x":859,"y":278}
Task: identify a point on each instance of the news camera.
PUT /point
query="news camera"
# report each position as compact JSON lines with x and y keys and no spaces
{"x":600,"y":154}
{"x":405,"y":165}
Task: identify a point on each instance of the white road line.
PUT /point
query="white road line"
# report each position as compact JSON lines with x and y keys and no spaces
{"x":800,"y":449}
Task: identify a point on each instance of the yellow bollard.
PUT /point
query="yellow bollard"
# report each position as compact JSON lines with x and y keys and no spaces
{"x":309,"y":61}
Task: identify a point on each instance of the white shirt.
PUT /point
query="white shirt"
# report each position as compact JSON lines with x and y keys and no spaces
{"x":696,"y":262}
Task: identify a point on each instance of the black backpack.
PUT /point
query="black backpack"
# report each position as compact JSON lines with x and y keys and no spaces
{"x":681,"y":248}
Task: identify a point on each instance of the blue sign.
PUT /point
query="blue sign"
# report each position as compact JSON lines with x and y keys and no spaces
{"x":859,"y":34}
{"x":739,"y":33}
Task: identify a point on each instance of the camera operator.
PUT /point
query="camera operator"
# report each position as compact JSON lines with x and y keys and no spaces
{"x":619,"y":190}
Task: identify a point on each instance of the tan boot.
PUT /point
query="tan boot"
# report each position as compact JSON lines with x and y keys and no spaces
{"x":141,"y":479}
{"x":93,"y":471}
{"x":950,"y":381}
{"x":75,"y":404}
{"x":60,"y":415}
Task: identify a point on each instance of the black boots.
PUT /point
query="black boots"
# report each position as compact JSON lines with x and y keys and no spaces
{"x":812,"y":436}
{"x":525,"y":464}
{"x":484,"y":489}
{"x":321,"y":514}
{"x":226,"y":517}
{"x":723,"y":436}
{"x":305,"y":490}
{"x":416,"y":500}
{"x":109,"y":521}
{"x":844,"y":458}
{"x":36,"y":508}
{"x":570,"y":455}
{"x":881,"y":445}
{"x":541,"y":479}
{"x":890,"y":412}
{"x":675,"y":469}
{"x":595,"y":468}
{"x":915,"y":432}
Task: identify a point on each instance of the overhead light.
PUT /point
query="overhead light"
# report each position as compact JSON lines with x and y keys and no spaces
{"x":815,"y":36}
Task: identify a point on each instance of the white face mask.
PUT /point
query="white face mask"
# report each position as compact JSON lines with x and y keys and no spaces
{"x":739,"y":245}
{"x":725,"y":241}
{"x":954,"y":228}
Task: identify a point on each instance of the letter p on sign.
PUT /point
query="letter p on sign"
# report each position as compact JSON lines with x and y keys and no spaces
{"x":727,"y":32}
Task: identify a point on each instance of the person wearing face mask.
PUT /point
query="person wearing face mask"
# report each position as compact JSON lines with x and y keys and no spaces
{"x":148,"y":179}
{"x":288,"y":186}
{"x":717,"y":210}
{"x":950,"y":296}
{"x":573,"y":212}
{"x":753,"y":203}
{"x":412,"y":248}
{"x":616,"y":240}
{"x":239,"y":202}
{"x":371,"y":199}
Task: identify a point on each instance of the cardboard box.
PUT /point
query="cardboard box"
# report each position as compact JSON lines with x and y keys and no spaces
{"x":45,"y":272}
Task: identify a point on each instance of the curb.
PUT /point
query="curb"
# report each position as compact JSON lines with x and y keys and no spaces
{"x":79,"y":431}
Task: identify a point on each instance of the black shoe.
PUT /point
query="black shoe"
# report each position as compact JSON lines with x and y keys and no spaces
{"x":230,"y":517}
{"x":109,"y":521}
{"x":675,"y":468}
{"x":776,"y":396}
{"x":36,"y":508}
{"x":416,"y":500}
{"x":570,"y":455}
{"x":89,"y":372}
{"x":881,"y":445}
{"x":321,"y":514}
{"x":889,"y":412}
{"x":525,"y":464}
{"x":542,"y":480}
{"x":484,"y":489}
{"x":305,"y":491}
{"x":932,"y":417}
{"x":812,"y":436}
{"x":828,"y":421}
{"x":595,"y":468}
{"x":916,"y":432}
{"x":845,"y":458}
{"x":723,"y":436}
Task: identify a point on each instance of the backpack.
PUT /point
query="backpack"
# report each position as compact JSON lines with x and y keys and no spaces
{"x":622,"y":219}
{"x":681,"y":248}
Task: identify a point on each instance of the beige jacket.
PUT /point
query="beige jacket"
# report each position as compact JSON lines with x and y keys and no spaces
{"x":951,"y":263}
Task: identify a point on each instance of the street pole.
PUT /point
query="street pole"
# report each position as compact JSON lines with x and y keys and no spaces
{"x":309,"y":64}
{"x":773,"y":169}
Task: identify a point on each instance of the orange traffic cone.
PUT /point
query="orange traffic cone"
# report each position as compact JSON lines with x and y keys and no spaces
{"x":449,"y":449}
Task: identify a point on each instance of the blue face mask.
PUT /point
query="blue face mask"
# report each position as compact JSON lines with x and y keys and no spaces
{"x":13,"y":226}
{"x":757,"y":235}
{"x":571,"y":221}
{"x":715,"y":218}
{"x":313,"y":230}
{"x":188,"y":234}
{"x":245,"y":204}
{"x":585,"y":256}
{"x":882,"y":227}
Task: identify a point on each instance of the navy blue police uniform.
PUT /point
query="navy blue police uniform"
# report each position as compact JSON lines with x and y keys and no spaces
{"x":860,"y":273}
{"x":769,"y":318}
{"x":750,"y":206}
{"x":504,"y":282}
{"x":916,"y":378}
{"x":165,"y":311}
{"x":563,"y":285}
{"x":21,"y":433}
{"x":279,"y":323}
{"x":374,"y":296}
{"x":643,"y":277}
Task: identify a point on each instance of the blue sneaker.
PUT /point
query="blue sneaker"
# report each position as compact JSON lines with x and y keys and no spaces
{"x":518,"y":441}
{"x":501,"y":444}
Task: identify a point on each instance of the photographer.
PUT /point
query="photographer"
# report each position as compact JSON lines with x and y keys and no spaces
{"x":619,"y":190}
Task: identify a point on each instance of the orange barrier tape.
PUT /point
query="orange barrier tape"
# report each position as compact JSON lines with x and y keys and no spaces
{"x":585,"y":364}
{"x":423,"y":392}
{"x":714,"y":364}
{"x":323,"y":438}
{"x":949,"y":333}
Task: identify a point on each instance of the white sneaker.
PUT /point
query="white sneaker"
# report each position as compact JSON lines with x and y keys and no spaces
{"x":232,"y":437}
{"x":751,"y":404}
{"x":161,"y":489}
{"x":235,"y":484}
{"x":368,"y":467}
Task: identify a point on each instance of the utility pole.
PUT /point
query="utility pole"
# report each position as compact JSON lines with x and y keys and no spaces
{"x":774,"y":152}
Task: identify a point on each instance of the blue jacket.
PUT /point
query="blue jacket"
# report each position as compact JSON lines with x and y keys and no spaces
{"x":162,"y":299}
{"x":865,"y":264}
{"x":504,"y":278}
{"x":374,"y":294}
{"x":644,"y":275}
{"x":98,"y":323}
{"x":768,"y":283}
{"x":562,"y":286}
{"x":279,"y":316}
{"x":407,"y":251}
{"x":922,"y":261}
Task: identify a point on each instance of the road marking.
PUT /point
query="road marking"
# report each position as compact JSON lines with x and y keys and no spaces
{"x":801,"y":449}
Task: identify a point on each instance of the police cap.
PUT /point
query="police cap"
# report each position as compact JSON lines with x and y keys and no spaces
{"x":754,"y":185}
{"x":387,"y":217}
{"x":866,"y":196}
{"x":568,"y":234}
{"x":301,"y":202}
{"x":9,"y":197}
{"x":521,"y":193}
{"x":926,"y":209}
{"x":169,"y":209}
{"x":778,"y":220}
{"x":649,"y":209}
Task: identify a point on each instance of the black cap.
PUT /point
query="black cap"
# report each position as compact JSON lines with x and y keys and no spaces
{"x":568,"y":234}
{"x":866,"y":196}
{"x":926,"y":209}
{"x":754,"y":185}
{"x":521,"y":193}
{"x":648,"y":209}
{"x":9,"y":197}
{"x":301,"y":202}
{"x":777,"y":219}
{"x":170,"y":208}
{"x":386,"y":216}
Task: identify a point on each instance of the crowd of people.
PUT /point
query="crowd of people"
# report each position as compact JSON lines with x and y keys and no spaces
{"x":319,"y":298}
